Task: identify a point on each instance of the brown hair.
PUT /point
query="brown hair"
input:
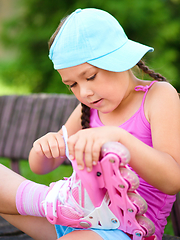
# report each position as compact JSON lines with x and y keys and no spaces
{"x":85,"y":116}
{"x":51,"y":40}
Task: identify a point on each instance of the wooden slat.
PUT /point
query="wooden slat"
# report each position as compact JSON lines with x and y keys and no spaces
{"x":15,"y":165}
{"x":46,"y":116}
{"x":1,"y":107}
{"x":7,"y":112}
{"x":15,"y":122}
{"x":67,"y":110}
{"x":175,"y":216}
{"x":22,"y":134}
{"x":9,"y":232}
{"x":7,"y":228}
{"x":32,"y":126}
{"x":16,"y":237}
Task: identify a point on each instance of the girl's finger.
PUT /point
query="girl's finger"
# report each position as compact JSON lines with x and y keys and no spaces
{"x":47,"y":142}
{"x":37,"y":148}
{"x":61,"y":144}
{"x":46,"y":150}
{"x":96,"y":149}
{"x":71,"y":144}
{"x":54,"y":148}
{"x":88,"y":155}
{"x":79,"y":149}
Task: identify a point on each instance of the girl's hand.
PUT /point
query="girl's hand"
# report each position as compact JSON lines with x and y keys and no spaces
{"x":50,"y":145}
{"x":85,"y":145}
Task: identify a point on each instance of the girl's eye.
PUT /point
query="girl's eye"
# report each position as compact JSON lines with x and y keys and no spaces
{"x":73,"y":85}
{"x":91,"y":78}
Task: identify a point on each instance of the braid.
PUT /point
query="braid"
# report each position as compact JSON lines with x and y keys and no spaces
{"x":156,"y":76}
{"x":85,"y":116}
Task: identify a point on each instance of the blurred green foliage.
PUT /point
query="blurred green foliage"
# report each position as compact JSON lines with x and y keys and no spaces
{"x":155,"y":23}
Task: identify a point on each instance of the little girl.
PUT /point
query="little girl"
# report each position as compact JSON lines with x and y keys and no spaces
{"x":94,"y":57}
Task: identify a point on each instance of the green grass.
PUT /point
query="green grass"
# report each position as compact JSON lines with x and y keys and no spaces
{"x":169,"y":229}
{"x":59,"y":173}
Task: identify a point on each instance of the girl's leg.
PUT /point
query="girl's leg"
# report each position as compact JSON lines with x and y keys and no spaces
{"x":81,"y":235}
{"x":36,"y":227}
{"x":18,"y":195}
{"x":96,"y":234}
{"x":9,"y":183}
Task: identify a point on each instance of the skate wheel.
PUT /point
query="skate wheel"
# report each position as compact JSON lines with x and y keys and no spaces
{"x":117,"y":148}
{"x":130,"y":177}
{"x":146,"y":224}
{"x":139,"y":203}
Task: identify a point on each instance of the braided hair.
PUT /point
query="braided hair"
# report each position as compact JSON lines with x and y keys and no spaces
{"x":85,"y":116}
{"x":85,"y":113}
{"x":155,"y":76}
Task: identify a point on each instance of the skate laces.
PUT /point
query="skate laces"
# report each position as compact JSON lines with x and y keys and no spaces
{"x":65,"y":137}
{"x":73,"y":194}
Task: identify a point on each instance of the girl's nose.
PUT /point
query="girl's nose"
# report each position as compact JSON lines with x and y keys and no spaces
{"x":85,"y":92}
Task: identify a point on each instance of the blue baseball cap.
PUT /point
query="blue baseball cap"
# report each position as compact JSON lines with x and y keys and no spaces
{"x":96,"y":37}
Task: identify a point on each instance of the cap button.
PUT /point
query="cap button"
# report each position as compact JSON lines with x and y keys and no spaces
{"x":78,"y":10}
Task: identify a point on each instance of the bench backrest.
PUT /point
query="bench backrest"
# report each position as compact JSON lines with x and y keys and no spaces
{"x":26,"y":118}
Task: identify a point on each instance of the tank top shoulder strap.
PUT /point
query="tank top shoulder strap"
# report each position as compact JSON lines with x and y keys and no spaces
{"x":144,"y":89}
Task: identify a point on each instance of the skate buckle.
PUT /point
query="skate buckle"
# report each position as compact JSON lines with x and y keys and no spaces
{"x":138,"y":235}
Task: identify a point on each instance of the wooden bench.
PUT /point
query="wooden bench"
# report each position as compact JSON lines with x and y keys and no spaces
{"x":23,"y":119}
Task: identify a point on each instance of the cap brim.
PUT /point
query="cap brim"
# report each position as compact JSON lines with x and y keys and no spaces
{"x":123,"y":58}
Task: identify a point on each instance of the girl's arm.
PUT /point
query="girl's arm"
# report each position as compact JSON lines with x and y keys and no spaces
{"x":48,"y":152}
{"x":160,"y":165}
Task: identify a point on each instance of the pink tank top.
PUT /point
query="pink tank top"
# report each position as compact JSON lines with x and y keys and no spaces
{"x":159,"y":204}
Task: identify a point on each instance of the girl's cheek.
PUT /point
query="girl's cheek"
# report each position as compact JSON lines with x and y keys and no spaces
{"x":75,"y":92}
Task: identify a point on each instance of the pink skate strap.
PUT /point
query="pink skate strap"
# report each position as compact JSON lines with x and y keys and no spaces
{"x":91,"y":184}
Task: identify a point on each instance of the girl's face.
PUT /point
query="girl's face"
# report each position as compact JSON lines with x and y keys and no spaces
{"x":95,"y":87}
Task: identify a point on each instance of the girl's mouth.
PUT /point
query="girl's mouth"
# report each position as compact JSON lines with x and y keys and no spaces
{"x":97,"y":103}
